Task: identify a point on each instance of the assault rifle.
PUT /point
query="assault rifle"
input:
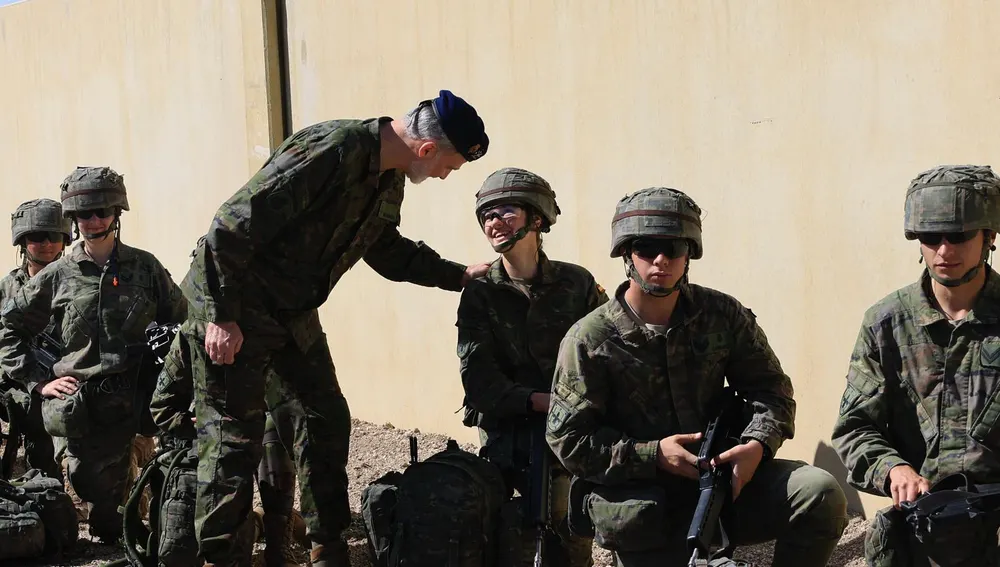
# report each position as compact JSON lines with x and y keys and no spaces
{"x":539,"y":476}
{"x":715,"y":484}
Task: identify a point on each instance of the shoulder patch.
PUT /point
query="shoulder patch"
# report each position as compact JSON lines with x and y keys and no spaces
{"x":558,"y":414}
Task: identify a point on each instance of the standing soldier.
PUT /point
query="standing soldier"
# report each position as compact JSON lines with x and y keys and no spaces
{"x":41,"y":232}
{"x":633,"y":389}
{"x":509,"y":326}
{"x":329,"y":196}
{"x":921,"y":401}
{"x":99,"y":296}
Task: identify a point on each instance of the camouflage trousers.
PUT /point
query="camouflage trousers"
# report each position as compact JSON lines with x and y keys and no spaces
{"x":890,"y":542}
{"x":801,"y":506}
{"x":301,"y":392}
{"x":25,"y":410}
{"x":97,"y":465}
{"x":565,"y":549}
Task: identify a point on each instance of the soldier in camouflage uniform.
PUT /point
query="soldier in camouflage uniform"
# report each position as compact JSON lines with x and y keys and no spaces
{"x":633,"y":386}
{"x":99,"y":296}
{"x":509,"y":326}
{"x":921,"y":401}
{"x":329,"y":196}
{"x":172,"y":408}
{"x":41,"y":232}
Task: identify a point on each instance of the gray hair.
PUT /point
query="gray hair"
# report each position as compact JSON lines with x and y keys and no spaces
{"x":422,"y":124}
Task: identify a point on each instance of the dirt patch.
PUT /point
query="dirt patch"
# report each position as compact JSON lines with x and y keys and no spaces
{"x":377,"y":449}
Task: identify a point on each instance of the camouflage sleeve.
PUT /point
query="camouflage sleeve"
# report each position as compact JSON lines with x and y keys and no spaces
{"x":25,"y":315}
{"x":576,"y":428}
{"x":273,"y":198}
{"x":596,"y":297}
{"x":171,"y":402}
{"x":172,"y":306}
{"x":861,"y":434}
{"x":400,"y":259}
{"x":754,"y":370}
{"x":487,"y":389}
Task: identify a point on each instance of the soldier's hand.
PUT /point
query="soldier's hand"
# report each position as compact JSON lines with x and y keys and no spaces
{"x":672,"y":457}
{"x":540,"y":402}
{"x":473,"y":272}
{"x":223,"y":341}
{"x":745,"y":459}
{"x":906,"y":484}
{"x":59,"y":388}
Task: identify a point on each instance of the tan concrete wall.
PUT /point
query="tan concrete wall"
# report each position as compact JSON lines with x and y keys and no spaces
{"x":170,"y":93}
{"x":796,"y":126}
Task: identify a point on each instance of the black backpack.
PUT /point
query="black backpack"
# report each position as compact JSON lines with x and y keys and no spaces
{"x":441,"y":512}
{"x":37,"y":517}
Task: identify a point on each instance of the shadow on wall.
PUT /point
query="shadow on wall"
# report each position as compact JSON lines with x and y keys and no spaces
{"x":827,"y":459}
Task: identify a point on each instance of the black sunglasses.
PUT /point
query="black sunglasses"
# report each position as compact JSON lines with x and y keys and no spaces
{"x":650,"y":248}
{"x":102,"y":213}
{"x":935,"y":238}
{"x":37,"y":237}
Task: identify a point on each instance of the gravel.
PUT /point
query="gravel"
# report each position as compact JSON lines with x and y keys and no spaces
{"x":377,"y":449}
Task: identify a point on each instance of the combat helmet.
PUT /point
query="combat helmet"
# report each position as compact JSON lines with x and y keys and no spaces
{"x":516,"y":186}
{"x":92,"y":188}
{"x":952,"y":199}
{"x":655,"y":212}
{"x":39,"y":215}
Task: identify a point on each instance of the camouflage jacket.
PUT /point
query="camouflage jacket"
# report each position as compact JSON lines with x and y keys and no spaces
{"x":95,"y":320}
{"x":317,"y":206}
{"x":619,"y":387}
{"x":507,"y":343}
{"x":12,"y":283}
{"x":923,"y":392}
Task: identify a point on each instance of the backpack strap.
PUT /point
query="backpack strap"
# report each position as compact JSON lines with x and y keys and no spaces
{"x":135,"y":530}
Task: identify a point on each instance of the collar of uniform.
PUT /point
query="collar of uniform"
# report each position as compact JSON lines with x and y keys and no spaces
{"x":546,"y":271}
{"x":77,"y":254}
{"x":375,"y":128}
{"x":628,"y":328}
{"x":632,"y":331}
{"x":984,"y":311}
{"x":987,"y":307}
{"x":21,"y":273}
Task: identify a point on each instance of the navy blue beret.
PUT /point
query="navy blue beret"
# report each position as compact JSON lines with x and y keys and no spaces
{"x":462,"y":125}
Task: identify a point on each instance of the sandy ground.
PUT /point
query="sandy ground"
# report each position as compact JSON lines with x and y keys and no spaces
{"x":376,"y":449}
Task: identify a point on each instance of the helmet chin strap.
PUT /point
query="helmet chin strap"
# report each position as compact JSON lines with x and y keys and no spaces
{"x":650,"y":288}
{"x":972,"y":273}
{"x":510,"y":242}
{"x":113,"y":227}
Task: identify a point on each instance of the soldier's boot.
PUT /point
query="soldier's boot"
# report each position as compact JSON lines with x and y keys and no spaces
{"x":279,"y":532}
{"x":333,"y":554}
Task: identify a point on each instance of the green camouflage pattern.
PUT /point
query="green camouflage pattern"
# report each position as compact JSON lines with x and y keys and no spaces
{"x":94,"y":319}
{"x":508,"y":342}
{"x":272,"y":255}
{"x":919,"y":388}
{"x":507,"y":347}
{"x":39,"y":215}
{"x":318,"y":206}
{"x":952,"y":198}
{"x":620,"y":388}
{"x":92,"y":188}
{"x":97,"y":322}
{"x":656,"y":211}
{"x":513,"y":185}
{"x":26,"y":406}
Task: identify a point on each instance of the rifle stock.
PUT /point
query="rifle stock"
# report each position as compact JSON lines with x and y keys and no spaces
{"x":714,"y":484}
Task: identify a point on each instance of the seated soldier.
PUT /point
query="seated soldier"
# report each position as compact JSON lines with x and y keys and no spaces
{"x":633,"y":386}
{"x":510,"y":323}
{"x":921,"y":396}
